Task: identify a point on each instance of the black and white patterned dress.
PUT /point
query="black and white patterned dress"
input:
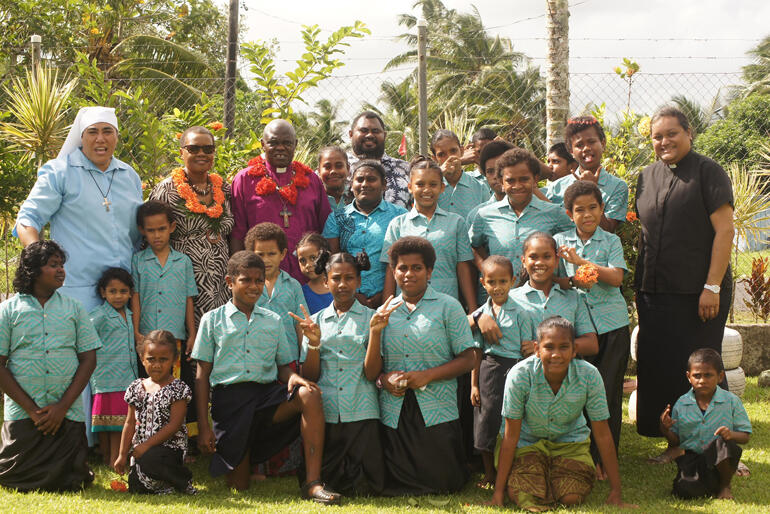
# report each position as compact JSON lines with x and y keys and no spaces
{"x":208,"y":251}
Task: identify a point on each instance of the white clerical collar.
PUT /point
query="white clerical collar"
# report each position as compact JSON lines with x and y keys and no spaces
{"x":280,"y":170}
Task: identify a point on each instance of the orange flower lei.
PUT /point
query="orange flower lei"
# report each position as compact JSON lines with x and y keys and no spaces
{"x":267,"y":185}
{"x":191,"y":201}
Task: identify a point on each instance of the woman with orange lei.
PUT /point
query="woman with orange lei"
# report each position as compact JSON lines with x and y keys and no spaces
{"x":201,"y":204}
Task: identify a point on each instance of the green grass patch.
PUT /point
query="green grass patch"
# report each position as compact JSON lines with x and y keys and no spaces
{"x":647,"y":485}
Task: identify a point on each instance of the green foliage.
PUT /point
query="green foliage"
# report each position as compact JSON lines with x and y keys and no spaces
{"x":738,"y":138}
{"x":316,"y":64}
{"x":318,"y":128}
{"x":757,"y":74}
{"x":627,"y":72}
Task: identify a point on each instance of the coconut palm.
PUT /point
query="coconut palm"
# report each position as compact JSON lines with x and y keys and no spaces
{"x":699,"y":117}
{"x":757,"y":75}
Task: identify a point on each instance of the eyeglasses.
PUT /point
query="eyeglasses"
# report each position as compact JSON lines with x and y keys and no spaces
{"x":194,"y":149}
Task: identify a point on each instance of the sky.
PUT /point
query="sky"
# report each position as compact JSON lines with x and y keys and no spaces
{"x":692,"y":46}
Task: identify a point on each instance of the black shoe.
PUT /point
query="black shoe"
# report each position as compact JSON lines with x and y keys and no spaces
{"x":321,"y":495}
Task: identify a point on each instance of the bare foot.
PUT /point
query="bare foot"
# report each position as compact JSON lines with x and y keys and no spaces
{"x":725,"y":494}
{"x":671,"y":453}
{"x":600,"y":473}
{"x":486,"y":482}
{"x":258,"y":477}
{"x":743,"y":470}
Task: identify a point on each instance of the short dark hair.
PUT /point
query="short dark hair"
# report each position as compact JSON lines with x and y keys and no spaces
{"x":560,"y":149}
{"x":369,"y":164}
{"x":555,"y":322}
{"x":581,"y":188}
{"x":673,"y":112}
{"x":539,"y":235}
{"x":266,"y":231}
{"x":579,"y":124}
{"x":483,"y":133}
{"x":114,"y":274}
{"x":326,"y":260}
{"x":443,"y":134}
{"x":243,"y":260}
{"x":314,"y":238}
{"x":331,"y":149}
{"x":368,"y":115}
{"x":516,"y":156}
{"x":31,"y":260}
{"x":497,"y":260}
{"x":409,"y":245}
{"x":707,"y":356}
{"x":159,"y":337}
{"x":420,"y":162}
{"x":491,"y":150}
{"x":152,"y":208}
{"x":195,"y":129}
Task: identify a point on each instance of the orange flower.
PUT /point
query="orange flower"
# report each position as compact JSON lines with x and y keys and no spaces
{"x":587,"y":274}
{"x":631,"y":217}
{"x":178,"y":135}
{"x":216,"y":126}
{"x":119,"y":486}
{"x":191,"y":201}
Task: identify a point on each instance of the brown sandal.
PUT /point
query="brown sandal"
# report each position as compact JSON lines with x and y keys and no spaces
{"x":321,"y":495}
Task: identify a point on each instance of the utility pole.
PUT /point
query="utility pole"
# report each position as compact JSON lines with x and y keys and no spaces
{"x":35,"y":41}
{"x":232,"y":61}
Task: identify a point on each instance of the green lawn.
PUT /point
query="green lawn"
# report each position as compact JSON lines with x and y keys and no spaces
{"x":644,"y":484}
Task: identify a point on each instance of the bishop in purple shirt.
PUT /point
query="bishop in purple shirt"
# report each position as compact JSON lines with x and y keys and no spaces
{"x":308,"y":214}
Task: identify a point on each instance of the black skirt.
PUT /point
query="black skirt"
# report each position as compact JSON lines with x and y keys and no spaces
{"x":422,"y":460}
{"x":160,"y":470}
{"x":669,"y":331}
{"x":30,"y":460}
{"x":353,"y":463}
{"x":243,"y":422}
{"x":697,"y":474}
{"x":488,"y":418}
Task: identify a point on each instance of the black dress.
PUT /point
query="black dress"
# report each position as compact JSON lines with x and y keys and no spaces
{"x":674,"y":204}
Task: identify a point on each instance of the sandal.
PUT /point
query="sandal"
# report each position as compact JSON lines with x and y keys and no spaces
{"x":321,"y":495}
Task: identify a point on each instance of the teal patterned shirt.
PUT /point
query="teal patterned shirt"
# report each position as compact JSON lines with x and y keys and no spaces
{"x":42,"y":344}
{"x":242,"y":350}
{"x":515,"y":325}
{"x":560,"y":302}
{"x":463,"y":196}
{"x":287,"y":297}
{"x":163,"y":291}
{"x":116,"y":363}
{"x":447,"y":232}
{"x":696,"y":429}
{"x":475,"y":211}
{"x":498,"y":228}
{"x":606,"y":304}
{"x":478,"y":176}
{"x":347,"y":394}
{"x":357,"y":231}
{"x":614,"y":193}
{"x":555,"y":417}
{"x":434,"y":333}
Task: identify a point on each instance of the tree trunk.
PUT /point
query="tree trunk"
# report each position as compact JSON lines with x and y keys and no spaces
{"x":557,"y":77}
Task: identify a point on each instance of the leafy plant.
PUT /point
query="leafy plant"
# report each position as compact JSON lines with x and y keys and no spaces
{"x":316,"y":64}
{"x":627,"y":72}
{"x":758,"y":289}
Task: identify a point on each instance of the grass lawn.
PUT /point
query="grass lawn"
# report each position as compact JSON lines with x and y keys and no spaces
{"x":643,"y":484}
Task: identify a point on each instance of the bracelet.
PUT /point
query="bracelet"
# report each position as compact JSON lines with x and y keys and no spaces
{"x":316,"y":348}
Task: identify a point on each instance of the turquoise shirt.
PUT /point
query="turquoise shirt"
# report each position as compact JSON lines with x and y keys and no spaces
{"x":335,"y":205}
{"x":287,"y":297}
{"x":515,"y":325}
{"x":696,"y":429}
{"x":116,"y":363}
{"x":434,"y":333}
{"x":498,"y":228}
{"x":66,"y":195}
{"x":474,"y":212}
{"x":606,"y":304}
{"x":555,"y":417}
{"x":559,"y":302}
{"x":163,"y":291}
{"x":463,"y":196}
{"x":347,"y":394}
{"x":614,"y":193}
{"x":477,"y":175}
{"x":42,"y":344}
{"x":242,"y":350}
{"x":363,"y":232}
{"x":447,"y":232}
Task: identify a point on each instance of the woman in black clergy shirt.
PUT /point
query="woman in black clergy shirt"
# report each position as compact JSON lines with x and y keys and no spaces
{"x":683,"y":281}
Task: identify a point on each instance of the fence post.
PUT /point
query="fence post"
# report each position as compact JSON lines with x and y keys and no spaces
{"x":422,"y":84}
{"x":35,"y":41}
{"x":232,"y":58}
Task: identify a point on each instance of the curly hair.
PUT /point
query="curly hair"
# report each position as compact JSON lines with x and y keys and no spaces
{"x":581,"y":188}
{"x":516,"y":156}
{"x":369,"y":164}
{"x":114,"y":274}
{"x":579,"y":124}
{"x":31,"y":260}
{"x":195,"y":129}
{"x":266,"y":231}
{"x":410,"y":245}
{"x":153,"y":208}
{"x":243,"y":260}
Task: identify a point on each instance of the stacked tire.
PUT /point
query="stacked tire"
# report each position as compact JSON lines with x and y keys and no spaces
{"x":732,"y":353}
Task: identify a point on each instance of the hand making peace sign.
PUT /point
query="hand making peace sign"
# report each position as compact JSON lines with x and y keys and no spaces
{"x":310,"y":329}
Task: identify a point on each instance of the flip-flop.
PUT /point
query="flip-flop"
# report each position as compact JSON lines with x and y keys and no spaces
{"x":743,"y":470}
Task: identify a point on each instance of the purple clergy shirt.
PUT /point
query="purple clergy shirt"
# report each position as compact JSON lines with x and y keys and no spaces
{"x":308,"y":215}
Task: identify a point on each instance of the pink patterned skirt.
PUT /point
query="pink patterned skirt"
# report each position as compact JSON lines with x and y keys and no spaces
{"x":108,"y":412}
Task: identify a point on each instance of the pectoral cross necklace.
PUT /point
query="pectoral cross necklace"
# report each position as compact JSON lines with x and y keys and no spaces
{"x":285,"y":212}
{"x":106,"y":202}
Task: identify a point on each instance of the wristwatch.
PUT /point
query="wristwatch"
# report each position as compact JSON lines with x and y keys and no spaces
{"x":714,"y":289}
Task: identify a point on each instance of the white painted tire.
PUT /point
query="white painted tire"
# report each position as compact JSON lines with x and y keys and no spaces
{"x":736,"y":381}
{"x":632,"y":407}
{"x":732,"y":348}
{"x":634,"y":343}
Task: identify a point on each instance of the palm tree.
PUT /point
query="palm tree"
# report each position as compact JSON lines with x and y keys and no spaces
{"x":399,"y":112}
{"x":757,"y":74}
{"x":320,"y":127}
{"x":699,"y":117}
{"x":557,"y":81}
